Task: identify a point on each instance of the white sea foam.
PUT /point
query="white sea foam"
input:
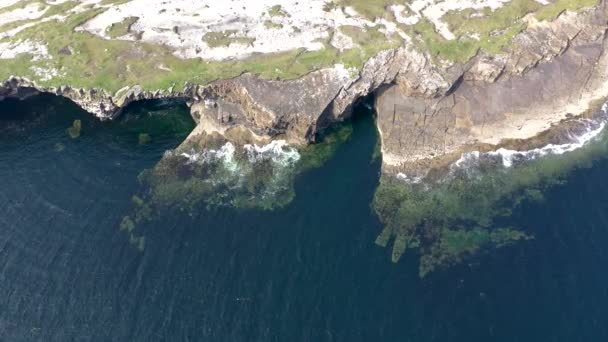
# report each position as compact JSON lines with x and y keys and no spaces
{"x":225,"y":155}
{"x":277,"y":150}
{"x":507,"y":157}
{"x":412,"y":180}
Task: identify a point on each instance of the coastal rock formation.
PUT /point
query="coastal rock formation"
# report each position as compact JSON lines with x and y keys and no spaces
{"x":554,"y":71}
{"x":431,"y":101}
{"x":451,"y":80}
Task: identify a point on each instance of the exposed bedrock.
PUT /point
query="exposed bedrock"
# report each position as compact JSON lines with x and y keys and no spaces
{"x":426,"y":108}
{"x":555,"y":71}
{"x":296,"y":110}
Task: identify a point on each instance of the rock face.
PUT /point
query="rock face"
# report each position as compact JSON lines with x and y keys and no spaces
{"x":98,"y":103}
{"x":425,"y":108}
{"x":297,"y":110}
{"x":554,"y":71}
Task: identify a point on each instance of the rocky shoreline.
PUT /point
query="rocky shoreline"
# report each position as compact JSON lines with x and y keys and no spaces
{"x":425,"y":111}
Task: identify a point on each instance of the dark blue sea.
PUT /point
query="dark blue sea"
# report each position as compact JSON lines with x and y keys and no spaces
{"x":306,"y":272}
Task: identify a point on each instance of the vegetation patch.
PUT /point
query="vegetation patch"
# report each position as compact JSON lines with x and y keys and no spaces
{"x":371,"y":9}
{"x":455,"y":218}
{"x":225,"y":38}
{"x":121,"y":28}
{"x":277,"y":11}
{"x":74,"y":130}
{"x":269,"y":24}
{"x":487,"y":30}
{"x":143,"y":138}
{"x":111,"y":64}
{"x":553,"y":10}
{"x":211,"y":173}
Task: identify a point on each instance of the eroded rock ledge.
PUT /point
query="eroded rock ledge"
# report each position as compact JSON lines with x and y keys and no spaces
{"x":426,"y":109}
{"x":556,"y":71}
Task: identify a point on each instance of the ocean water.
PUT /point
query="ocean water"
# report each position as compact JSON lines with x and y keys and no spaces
{"x":306,"y":272}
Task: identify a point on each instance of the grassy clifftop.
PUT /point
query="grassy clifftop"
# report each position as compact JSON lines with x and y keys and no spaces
{"x":158,"y":44}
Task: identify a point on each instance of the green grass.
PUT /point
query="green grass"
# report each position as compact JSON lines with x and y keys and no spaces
{"x":111,"y":64}
{"x":495,"y":29}
{"x":457,"y":217}
{"x":60,"y":8}
{"x":225,"y":38}
{"x":21,"y":4}
{"x":551,"y":11}
{"x":271,"y":25}
{"x":503,"y":18}
{"x":277,"y":11}
{"x":371,"y":9}
{"x":75,"y":129}
{"x":113,"y":2}
{"x":121,"y":28}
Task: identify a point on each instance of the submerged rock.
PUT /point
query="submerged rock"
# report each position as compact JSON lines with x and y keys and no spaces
{"x":451,"y":216}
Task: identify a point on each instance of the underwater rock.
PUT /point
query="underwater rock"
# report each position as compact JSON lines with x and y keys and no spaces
{"x":74,"y":130}
{"x":454,"y":216}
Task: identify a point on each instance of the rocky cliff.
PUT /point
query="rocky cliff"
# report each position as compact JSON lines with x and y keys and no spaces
{"x":428,"y":105}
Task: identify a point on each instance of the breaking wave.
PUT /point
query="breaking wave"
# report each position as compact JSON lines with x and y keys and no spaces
{"x":471,"y":164}
{"x":278,"y":151}
{"x":510,"y":156}
{"x":225,"y":155}
{"x":588,"y":130}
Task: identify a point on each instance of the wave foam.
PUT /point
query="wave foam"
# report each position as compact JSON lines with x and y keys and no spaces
{"x":225,"y":155}
{"x":509,"y":157}
{"x":277,"y":151}
{"x":412,"y":180}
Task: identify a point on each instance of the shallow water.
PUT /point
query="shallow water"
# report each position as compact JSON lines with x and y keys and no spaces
{"x":307,"y":272}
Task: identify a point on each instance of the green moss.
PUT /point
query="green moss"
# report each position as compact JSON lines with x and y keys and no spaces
{"x":454,"y":50}
{"x":113,"y":2}
{"x":456,"y":245}
{"x":225,"y":38}
{"x":138,"y":241}
{"x":61,"y":8}
{"x":277,"y":11}
{"x":503,"y":18}
{"x":383,"y":239}
{"x":59,"y":147}
{"x":143,"y":138}
{"x":271,"y":25}
{"x":315,"y":155}
{"x":121,"y":28}
{"x":455,"y":218}
{"x":553,"y":10}
{"x":138,"y":201}
{"x":19,"y":5}
{"x":112,"y":64}
{"x":74,"y":130}
{"x":371,"y":9}
{"x":127,"y":224}
{"x":177,"y":185}
{"x":490,"y":31}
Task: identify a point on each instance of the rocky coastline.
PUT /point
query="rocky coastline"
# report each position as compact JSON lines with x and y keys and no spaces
{"x":449,"y":130}
{"x":425,"y":111}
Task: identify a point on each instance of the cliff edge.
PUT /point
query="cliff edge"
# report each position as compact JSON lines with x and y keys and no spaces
{"x":448,"y":76}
